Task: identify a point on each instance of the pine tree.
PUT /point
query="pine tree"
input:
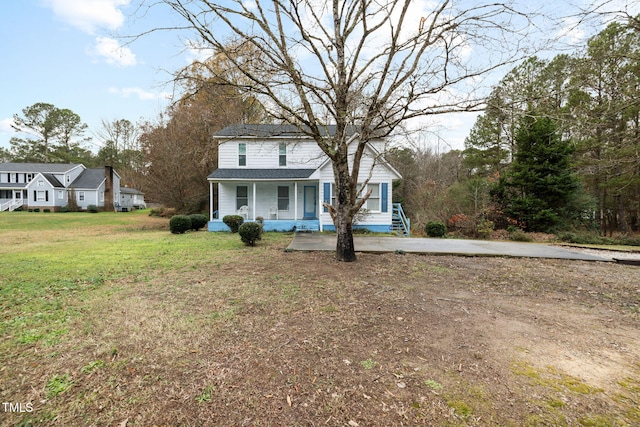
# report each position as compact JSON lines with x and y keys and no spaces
{"x":539,"y":190}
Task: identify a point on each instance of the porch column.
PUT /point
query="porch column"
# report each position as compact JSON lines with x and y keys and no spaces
{"x":210,"y":201}
{"x":320,"y":209}
{"x":254,"y":201}
{"x":295,"y":200}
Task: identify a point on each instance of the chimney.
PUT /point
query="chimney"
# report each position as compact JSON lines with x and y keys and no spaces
{"x":108,"y":188}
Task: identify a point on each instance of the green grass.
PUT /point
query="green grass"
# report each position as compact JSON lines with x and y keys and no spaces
{"x":53,"y":260}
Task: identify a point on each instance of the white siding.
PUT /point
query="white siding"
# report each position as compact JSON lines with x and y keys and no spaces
{"x":380,"y":173}
{"x":265,"y":154}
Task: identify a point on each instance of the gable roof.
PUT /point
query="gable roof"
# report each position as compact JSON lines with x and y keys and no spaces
{"x":254,"y":174}
{"x":53,"y":180}
{"x":89,"y":178}
{"x":38,"y":167}
{"x":271,"y":131}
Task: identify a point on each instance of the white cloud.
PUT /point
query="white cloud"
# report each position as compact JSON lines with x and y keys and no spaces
{"x":5,"y":125}
{"x":89,"y":15}
{"x":197,"y":51}
{"x":142,"y":94}
{"x":571,"y":31}
{"x":111,"y":51}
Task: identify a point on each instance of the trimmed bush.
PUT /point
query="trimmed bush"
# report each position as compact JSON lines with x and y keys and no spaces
{"x":92,"y":209}
{"x":179,"y":224}
{"x":233,"y":222}
{"x":435,"y":229}
{"x":250,"y":232}
{"x":198,"y":221}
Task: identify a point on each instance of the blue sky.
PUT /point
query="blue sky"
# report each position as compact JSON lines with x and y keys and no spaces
{"x":70,"y":53}
{"x":74,"y":54}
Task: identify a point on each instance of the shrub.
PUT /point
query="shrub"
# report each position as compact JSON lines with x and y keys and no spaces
{"x":47,"y":210}
{"x":64,"y":209}
{"x":520,"y":236}
{"x":179,"y":224}
{"x":233,"y":222}
{"x":435,"y":229}
{"x":162,"y":212}
{"x":198,"y":221}
{"x":92,"y":209}
{"x":485,"y":228}
{"x":250,"y":232}
{"x":36,"y":209}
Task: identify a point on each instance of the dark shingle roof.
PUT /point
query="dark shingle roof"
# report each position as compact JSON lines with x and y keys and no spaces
{"x":266,"y":130}
{"x":128,"y":190}
{"x":53,"y":180}
{"x":251,"y":174}
{"x":37,"y":167}
{"x":89,"y":178}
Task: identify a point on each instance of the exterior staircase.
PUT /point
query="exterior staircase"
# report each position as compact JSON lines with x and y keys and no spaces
{"x":11,"y":205}
{"x":400,"y":223}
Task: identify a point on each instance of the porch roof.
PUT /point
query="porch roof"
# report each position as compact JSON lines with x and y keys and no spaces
{"x":260,"y":174}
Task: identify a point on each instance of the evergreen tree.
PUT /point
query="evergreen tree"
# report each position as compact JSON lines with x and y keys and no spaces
{"x":539,"y":190}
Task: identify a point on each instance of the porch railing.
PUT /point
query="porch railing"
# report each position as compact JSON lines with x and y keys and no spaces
{"x":10,"y":205}
{"x":400,"y":223}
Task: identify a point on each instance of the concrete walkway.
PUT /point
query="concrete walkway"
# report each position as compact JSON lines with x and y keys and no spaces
{"x":327,"y":242}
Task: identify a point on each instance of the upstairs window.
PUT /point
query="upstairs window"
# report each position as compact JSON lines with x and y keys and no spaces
{"x":282,"y":155}
{"x":242,"y":154}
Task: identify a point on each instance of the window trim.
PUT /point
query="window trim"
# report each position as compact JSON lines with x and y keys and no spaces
{"x":238,"y":197}
{"x":282,"y":198}
{"x":282,"y":154}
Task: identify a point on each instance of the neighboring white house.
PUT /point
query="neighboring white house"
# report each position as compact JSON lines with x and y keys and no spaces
{"x":278,"y":173}
{"x":50,"y":185}
{"x":130,"y":198}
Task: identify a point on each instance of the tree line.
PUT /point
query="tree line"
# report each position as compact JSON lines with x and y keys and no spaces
{"x":557,"y":147}
{"x":168,"y":157}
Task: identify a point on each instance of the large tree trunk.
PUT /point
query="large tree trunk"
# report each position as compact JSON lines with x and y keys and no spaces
{"x":345,"y":249}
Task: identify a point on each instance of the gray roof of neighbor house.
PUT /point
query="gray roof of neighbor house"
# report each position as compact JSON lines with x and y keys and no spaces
{"x":38,"y":167}
{"x":128,"y":190}
{"x":53,"y":180}
{"x":267,"y":130}
{"x":253,"y":174}
{"x":89,"y":178}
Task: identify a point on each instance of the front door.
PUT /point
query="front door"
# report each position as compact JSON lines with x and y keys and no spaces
{"x":310,"y":202}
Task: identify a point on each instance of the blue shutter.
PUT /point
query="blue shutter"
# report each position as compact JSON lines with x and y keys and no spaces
{"x":327,"y":196}
{"x":384,"y":197}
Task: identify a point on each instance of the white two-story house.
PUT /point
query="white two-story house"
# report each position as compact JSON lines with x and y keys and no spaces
{"x":281,"y":175}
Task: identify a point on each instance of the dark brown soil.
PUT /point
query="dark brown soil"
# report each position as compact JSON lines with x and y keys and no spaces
{"x":298,"y":339}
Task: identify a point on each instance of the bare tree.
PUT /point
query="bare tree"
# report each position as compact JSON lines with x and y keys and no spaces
{"x":363,"y":63}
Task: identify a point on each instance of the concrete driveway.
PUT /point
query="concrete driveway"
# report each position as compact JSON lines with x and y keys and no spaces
{"x":327,"y":242}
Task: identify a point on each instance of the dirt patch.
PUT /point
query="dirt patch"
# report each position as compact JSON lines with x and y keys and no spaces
{"x":264,"y":337}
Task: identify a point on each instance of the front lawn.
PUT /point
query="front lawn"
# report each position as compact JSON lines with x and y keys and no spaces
{"x":109,"y":319}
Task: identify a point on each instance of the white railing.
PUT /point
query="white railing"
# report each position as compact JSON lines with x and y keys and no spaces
{"x":10,"y":204}
{"x":15,"y":205}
